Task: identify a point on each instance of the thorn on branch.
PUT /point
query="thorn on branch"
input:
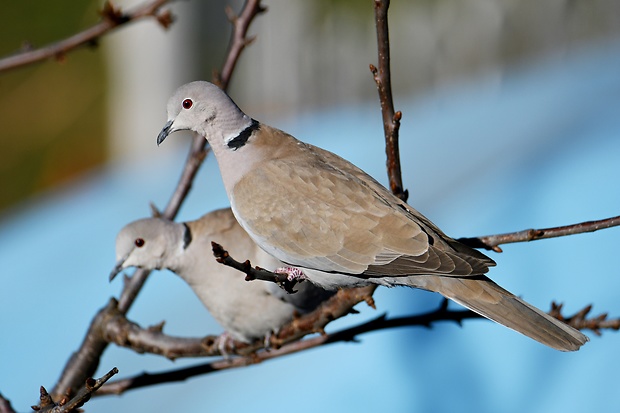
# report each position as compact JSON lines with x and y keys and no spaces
{"x":165,"y":19}
{"x":113,"y":14}
{"x":60,"y":57}
{"x":369,"y":301}
{"x":397,"y":117}
{"x":155,"y":212}
{"x":249,"y":40}
{"x":45,"y":400}
{"x":157,"y":328}
{"x":231,"y":15}
{"x":374,"y":71}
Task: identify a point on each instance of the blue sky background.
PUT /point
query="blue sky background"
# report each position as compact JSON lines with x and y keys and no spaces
{"x":539,"y":147}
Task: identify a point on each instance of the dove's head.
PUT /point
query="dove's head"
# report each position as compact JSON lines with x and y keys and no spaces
{"x":207,"y":110}
{"x":150,"y":243}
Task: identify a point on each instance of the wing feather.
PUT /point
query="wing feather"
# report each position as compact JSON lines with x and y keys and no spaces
{"x":339,"y":219}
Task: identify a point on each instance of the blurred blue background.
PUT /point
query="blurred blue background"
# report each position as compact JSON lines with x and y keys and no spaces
{"x":538,"y":147}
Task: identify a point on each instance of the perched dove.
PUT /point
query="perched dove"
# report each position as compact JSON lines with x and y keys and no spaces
{"x":246,"y":310}
{"x":314,"y":210}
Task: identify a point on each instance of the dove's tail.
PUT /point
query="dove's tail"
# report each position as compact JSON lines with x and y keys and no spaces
{"x":480,"y":294}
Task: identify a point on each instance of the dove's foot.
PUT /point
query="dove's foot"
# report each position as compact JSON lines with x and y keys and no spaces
{"x":292,"y":273}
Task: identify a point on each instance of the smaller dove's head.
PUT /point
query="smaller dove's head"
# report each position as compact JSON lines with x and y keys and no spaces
{"x":148,"y":243}
{"x":203,"y":108}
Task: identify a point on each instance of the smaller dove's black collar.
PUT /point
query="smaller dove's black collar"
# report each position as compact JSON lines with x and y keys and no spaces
{"x":187,"y":236}
{"x":241,"y":139}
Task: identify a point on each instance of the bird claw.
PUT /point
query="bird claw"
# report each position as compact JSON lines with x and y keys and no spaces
{"x":267,"y":340}
{"x":292,"y":273}
{"x":293,"y":276}
{"x":224,"y":343}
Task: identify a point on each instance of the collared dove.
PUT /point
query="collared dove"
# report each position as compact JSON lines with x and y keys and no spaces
{"x":246,"y":310}
{"x":313,"y":210}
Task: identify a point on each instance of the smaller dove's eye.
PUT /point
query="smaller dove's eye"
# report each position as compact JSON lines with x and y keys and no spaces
{"x":139,"y":242}
{"x":187,"y":103}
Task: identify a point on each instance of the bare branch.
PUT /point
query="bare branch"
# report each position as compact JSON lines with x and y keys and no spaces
{"x":492,"y":242}
{"x":442,"y":313}
{"x":125,"y":333}
{"x":391,"y":119}
{"x":239,"y":40}
{"x":66,"y":405}
{"x":111,"y":19}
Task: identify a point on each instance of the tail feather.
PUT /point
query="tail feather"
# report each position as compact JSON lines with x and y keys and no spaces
{"x":488,"y":299}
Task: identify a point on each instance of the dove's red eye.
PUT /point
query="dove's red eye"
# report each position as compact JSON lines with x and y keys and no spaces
{"x":139,"y":242}
{"x":187,"y":103}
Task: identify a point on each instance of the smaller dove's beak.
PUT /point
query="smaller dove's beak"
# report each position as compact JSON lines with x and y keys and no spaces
{"x":164,"y":132}
{"x":117,"y":268}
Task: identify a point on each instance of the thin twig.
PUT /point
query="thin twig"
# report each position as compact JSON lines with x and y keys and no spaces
{"x":492,"y":242}
{"x":238,"y":41}
{"x":86,"y":359}
{"x":391,"y":119}
{"x":69,"y":405}
{"x":253,"y":273}
{"x":111,"y":19}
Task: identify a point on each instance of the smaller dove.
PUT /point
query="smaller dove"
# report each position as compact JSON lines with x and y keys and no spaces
{"x":246,"y":310}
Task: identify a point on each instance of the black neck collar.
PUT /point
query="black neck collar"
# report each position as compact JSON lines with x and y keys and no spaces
{"x":187,"y":236}
{"x":241,"y":139}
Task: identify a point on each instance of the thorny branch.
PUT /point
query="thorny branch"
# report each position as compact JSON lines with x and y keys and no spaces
{"x":391,"y":119}
{"x":442,"y":313}
{"x":68,"y":405}
{"x":86,"y":359}
{"x":492,"y":242}
{"x":111,"y":19}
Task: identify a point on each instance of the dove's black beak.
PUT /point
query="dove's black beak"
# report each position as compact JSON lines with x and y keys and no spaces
{"x":117,"y":268}
{"x":164,"y":132}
